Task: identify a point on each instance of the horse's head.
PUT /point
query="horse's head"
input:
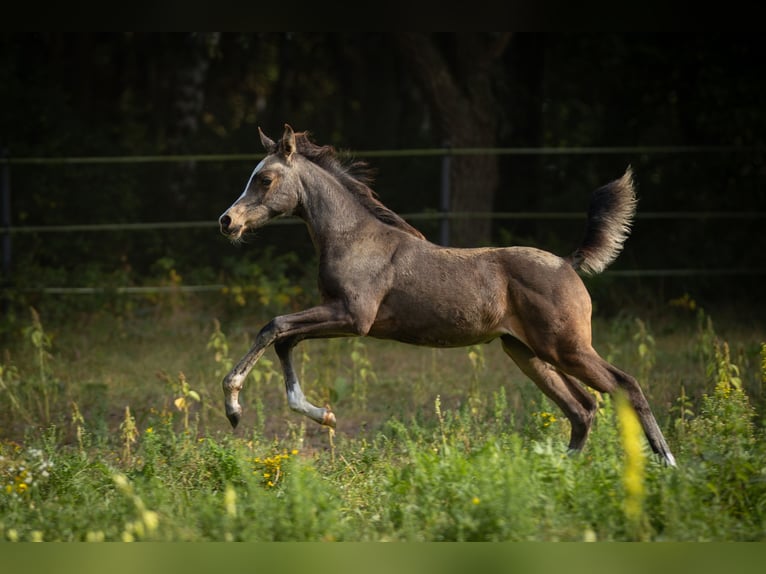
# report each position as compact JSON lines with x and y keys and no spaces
{"x":272,"y":189}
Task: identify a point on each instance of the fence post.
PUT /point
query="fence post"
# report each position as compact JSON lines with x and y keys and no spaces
{"x":5,"y":221}
{"x":444,"y":197}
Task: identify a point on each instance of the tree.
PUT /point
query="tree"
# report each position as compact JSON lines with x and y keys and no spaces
{"x":455,"y":74}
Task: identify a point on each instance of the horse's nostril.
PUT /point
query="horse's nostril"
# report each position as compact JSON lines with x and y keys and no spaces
{"x":225,"y":222}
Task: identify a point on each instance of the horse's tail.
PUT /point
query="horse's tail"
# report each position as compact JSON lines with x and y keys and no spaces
{"x":610,"y":216}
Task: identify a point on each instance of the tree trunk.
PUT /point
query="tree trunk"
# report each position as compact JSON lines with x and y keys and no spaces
{"x":188,"y":102}
{"x":455,"y":77}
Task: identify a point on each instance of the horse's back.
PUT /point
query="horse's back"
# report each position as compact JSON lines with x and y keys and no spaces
{"x":453,"y":297}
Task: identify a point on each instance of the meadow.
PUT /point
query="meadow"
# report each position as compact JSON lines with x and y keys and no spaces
{"x":112,"y":429}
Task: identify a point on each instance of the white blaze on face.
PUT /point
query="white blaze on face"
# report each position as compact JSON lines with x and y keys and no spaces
{"x":258,"y":168}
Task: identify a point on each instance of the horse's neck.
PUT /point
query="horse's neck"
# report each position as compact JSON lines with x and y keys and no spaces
{"x":332,"y":213}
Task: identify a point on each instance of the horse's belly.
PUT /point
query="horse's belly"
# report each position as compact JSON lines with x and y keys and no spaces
{"x":438,"y":324}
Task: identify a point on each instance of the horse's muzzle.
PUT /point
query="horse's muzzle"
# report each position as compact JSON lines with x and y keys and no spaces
{"x":232,"y":231}
{"x":225,"y":222}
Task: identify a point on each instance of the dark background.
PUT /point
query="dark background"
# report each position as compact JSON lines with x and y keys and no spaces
{"x":128,"y":94}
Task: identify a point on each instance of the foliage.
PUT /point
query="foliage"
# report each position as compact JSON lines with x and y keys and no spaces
{"x":465,"y":473}
{"x":36,"y":396}
{"x":87,"y":95}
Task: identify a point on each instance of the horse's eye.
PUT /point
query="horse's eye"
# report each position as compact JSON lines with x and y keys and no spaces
{"x":266,"y":181}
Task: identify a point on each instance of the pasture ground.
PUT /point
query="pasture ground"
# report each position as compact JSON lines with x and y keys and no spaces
{"x":112,"y":428}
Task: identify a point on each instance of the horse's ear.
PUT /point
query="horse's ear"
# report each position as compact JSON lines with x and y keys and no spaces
{"x":268,"y":143}
{"x":287,"y":145}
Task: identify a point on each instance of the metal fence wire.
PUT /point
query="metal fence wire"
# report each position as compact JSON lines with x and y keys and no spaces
{"x":443,"y":215}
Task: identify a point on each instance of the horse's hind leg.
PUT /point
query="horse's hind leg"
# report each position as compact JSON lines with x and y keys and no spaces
{"x":578,"y":406}
{"x":590,"y":368}
{"x":295,"y":397}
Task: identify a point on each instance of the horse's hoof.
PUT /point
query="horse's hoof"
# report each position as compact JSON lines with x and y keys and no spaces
{"x":329,"y":419}
{"x":234,"y":418}
{"x":670,"y":460}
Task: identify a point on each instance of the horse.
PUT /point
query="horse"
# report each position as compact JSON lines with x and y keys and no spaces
{"x":380,"y":277}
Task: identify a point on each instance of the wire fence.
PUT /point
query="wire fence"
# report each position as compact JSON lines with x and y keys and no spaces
{"x":7,"y":230}
{"x":387,"y":153}
{"x":429,"y":216}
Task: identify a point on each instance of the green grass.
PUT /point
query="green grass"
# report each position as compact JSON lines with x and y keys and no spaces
{"x":112,"y":428}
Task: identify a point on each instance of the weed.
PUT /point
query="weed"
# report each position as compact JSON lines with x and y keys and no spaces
{"x":185,"y":397}
{"x":362,"y":373}
{"x":41,"y":342}
{"x":461,"y":470}
{"x":78,"y":421}
{"x":10,"y":384}
{"x":478,"y":365}
{"x":129,"y":435}
{"x":646,"y":350}
{"x":683,"y":412}
{"x":273,"y":469}
{"x":219,"y":344}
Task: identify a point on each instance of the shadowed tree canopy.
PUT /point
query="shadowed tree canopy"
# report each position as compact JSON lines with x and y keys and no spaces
{"x":96,"y":94}
{"x":456,"y":73}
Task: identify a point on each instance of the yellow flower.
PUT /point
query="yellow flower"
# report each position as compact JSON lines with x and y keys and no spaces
{"x":475,"y":500}
{"x":633,"y":472}
{"x":120,"y":480}
{"x":230,"y":501}
{"x":151,"y":520}
{"x":97,"y":536}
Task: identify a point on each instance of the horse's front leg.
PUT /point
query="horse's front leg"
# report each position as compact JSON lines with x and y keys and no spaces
{"x":235,"y":380}
{"x":330,"y":320}
{"x":296,"y":400}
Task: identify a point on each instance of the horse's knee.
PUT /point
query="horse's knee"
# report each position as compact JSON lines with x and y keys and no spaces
{"x":232,"y":382}
{"x":269,"y":331}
